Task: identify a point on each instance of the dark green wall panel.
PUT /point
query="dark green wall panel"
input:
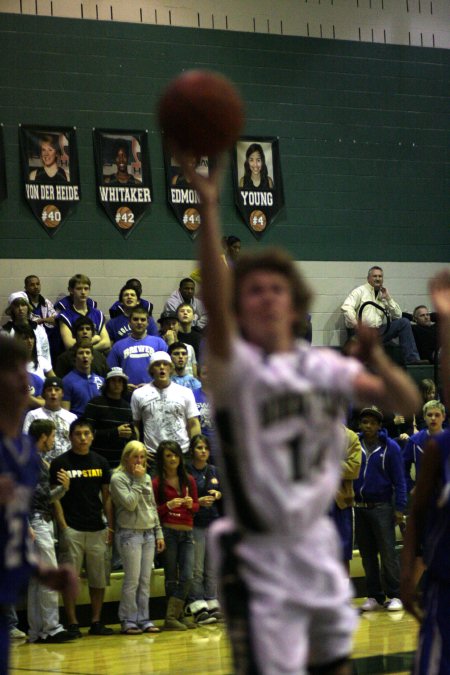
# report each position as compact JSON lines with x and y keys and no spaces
{"x":364,"y":135}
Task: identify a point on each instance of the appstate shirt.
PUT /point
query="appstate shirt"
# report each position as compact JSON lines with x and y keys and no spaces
{"x":82,"y":504}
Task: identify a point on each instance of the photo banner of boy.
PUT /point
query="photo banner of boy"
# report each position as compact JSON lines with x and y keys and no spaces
{"x":257,"y":181}
{"x":124,"y":187}
{"x":182,"y":198}
{"x":49,"y":161}
{"x":3,"y":190}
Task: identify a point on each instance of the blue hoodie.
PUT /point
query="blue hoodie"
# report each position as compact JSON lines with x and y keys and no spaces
{"x":412,"y":454}
{"x":382,"y":473}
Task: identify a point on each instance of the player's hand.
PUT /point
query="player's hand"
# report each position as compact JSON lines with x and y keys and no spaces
{"x":208,"y":188}
{"x":188,"y":501}
{"x":63,"y":478}
{"x":124,"y":431}
{"x":408,"y":595}
{"x":109,"y":536}
{"x":160,"y":545}
{"x":366,"y":344}
{"x":384,"y":293}
{"x":439,"y":287}
{"x":62,"y":578}
{"x":215,"y":493}
{"x":7,"y":489}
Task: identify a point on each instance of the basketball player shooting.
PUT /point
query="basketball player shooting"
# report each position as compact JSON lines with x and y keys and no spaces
{"x":279,"y":406}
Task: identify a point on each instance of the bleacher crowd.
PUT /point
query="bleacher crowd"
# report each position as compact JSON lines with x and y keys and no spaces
{"x":120,"y":414}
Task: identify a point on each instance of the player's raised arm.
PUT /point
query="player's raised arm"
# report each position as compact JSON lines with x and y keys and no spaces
{"x":388,"y":386}
{"x":201,"y":113}
{"x":216,"y":280}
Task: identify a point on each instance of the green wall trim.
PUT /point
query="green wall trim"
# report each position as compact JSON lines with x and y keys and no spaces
{"x":364,"y":135}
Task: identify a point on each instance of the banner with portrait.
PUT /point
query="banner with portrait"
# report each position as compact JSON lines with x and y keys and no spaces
{"x":257,"y":180}
{"x":50,"y":172}
{"x":182,"y":197}
{"x":124,"y":187}
{"x":3,"y":190}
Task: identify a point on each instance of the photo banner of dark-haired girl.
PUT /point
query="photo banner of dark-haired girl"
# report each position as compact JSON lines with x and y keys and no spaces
{"x":50,"y":172}
{"x":3,"y":190}
{"x":124,"y":187}
{"x":257,"y":180}
{"x":182,"y":197}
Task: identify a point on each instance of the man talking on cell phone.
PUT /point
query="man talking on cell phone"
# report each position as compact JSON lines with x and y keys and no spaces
{"x":382,"y":306}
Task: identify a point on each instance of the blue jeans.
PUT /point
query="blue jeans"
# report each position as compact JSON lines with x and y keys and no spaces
{"x":178,"y":562}
{"x":137,"y":550}
{"x":375,"y":534}
{"x":204,"y":583}
{"x":43,"y":608}
{"x":401,"y":328}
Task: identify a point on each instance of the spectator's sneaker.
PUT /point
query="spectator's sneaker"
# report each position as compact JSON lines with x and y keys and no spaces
{"x":216,"y":614}
{"x":214,"y":610}
{"x":393,"y":605}
{"x":16,"y":634}
{"x":199,"y":611}
{"x":370,"y":605}
{"x":99,"y":628}
{"x":203,"y":618}
{"x":74,"y":631}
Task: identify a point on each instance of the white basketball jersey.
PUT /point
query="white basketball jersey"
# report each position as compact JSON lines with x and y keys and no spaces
{"x":279,"y":418}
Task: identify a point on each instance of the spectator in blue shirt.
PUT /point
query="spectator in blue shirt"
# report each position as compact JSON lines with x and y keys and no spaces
{"x":80,"y":385}
{"x":179,"y":355}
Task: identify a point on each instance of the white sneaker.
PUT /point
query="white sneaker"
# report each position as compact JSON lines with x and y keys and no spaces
{"x":370,"y":605}
{"x":394,"y":605}
{"x":16,"y":634}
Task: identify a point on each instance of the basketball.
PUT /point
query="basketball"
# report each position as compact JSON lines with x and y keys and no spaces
{"x":201,"y":113}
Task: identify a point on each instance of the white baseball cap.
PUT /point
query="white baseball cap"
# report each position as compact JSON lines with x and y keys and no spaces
{"x":160,"y":356}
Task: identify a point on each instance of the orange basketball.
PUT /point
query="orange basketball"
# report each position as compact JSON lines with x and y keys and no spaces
{"x":201,"y":113}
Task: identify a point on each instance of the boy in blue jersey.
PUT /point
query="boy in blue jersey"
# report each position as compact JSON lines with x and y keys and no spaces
{"x":119,"y":326}
{"x":19,"y":470}
{"x":429,"y":523}
{"x":77,"y":305}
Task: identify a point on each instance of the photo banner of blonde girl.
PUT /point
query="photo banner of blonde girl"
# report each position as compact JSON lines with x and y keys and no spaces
{"x":49,"y":161}
{"x":181,"y":196}
{"x":124,"y":185}
{"x":3,"y":189}
{"x":257,"y":181}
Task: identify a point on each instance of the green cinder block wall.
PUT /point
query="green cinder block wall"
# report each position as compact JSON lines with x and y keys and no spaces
{"x":364,"y":135}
